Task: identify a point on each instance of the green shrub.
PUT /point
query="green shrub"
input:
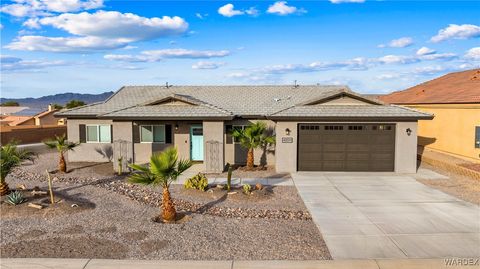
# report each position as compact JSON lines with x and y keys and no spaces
{"x":247,"y":189}
{"x":15,"y":198}
{"x":198,"y":182}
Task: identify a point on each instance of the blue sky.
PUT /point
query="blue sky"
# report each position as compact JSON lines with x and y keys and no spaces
{"x":92,"y":46}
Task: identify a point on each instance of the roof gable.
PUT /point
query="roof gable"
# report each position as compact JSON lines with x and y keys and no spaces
{"x":344,"y":97}
{"x":174,"y":99}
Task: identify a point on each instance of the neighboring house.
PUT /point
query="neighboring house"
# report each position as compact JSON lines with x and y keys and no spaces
{"x":454,"y":99}
{"x":47,"y":117}
{"x":318,"y":128}
{"x":21,"y":116}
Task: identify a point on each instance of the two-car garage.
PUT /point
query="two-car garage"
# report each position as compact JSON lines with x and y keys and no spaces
{"x":346,"y":147}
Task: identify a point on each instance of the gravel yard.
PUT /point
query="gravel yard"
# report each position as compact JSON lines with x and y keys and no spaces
{"x":467,"y":189}
{"x":273,"y":224}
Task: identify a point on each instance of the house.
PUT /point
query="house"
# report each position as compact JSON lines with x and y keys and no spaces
{"x":22,"y":116}
{"x":47,"y":117}
{"x":318,"y":128}
{"x":454,"y":99}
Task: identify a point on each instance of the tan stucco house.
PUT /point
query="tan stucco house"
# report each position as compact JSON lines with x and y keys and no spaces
{"x":454,"y":99}
{"x":317,"y":128}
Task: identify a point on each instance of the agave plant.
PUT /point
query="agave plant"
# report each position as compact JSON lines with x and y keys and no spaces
{"x":164,"y":168}
{"x":61,"y":144}
{"x":10,"y":158}
{"x":15,"y":198}
{"x":252,"y":137}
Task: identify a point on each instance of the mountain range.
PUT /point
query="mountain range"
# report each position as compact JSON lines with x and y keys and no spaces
{"x":36,"y":105}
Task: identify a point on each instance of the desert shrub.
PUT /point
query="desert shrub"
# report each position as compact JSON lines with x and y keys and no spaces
{"x":247,"y":189}
{"x":198,"y":182}
{"x":15,"y":198}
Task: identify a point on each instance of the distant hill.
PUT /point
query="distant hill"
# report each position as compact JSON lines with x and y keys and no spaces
{"x":40,"y":104}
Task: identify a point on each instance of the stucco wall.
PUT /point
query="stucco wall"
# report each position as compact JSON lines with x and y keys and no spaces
{"x":405,"y":147}
{"x":236,"y":154}
{"x":48,"y":119}
{"x":452,"y":130}
{"x":87,"y":152}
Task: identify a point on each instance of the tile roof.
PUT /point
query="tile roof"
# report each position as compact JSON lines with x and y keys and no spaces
{"x":458,"y":87}
{"x":218,"y":102}
{"x":349,"y":111}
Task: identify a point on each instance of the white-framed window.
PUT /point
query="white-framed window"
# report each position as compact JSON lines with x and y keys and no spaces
{"x":98,"y":133}
{"x":152,"y":133}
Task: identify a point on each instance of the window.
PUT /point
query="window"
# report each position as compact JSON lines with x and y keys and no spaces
{"x":477,"y":137}
{"x":152,"y":133}
{"x":99,"y":134}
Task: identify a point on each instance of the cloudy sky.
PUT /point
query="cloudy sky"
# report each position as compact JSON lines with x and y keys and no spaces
{"x":92,"y":46}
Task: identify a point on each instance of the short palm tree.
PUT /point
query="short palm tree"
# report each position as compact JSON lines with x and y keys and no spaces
{"x":165,"y":167}
{"x":252,"y":137}
{"x":10,"y":158}
{"x":61,"y":144}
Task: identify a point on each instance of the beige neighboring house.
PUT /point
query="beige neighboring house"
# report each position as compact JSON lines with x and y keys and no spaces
{"x":317,"y":128}
{"x":9,"y":117}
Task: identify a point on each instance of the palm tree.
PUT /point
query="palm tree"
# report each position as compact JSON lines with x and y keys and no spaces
{"x":10,"y":158}
{"x":62,"y":145}
{"x":165,"y":167}
{"x":252,"y":137}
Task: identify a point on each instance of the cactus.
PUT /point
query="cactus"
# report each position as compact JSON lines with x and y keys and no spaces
{"x":229,"y":177}
{"x":120,"y":165}
{"x":198,"y":182}
{"x":247,"y":189}
{"x":15,"y":198}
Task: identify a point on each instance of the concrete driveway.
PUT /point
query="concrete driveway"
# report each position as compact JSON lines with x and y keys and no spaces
{"x":386,"y":215}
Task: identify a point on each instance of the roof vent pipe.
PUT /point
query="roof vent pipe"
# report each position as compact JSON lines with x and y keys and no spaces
{"x":295,"y":85}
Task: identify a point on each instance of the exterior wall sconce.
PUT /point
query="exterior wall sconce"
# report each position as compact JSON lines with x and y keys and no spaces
{"x":287,"y":131}
{"x":409,"y":131}
{"x":176,"y":127}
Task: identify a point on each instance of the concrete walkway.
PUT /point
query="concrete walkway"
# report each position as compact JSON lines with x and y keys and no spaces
{"x":217,"y":179}
{"x":151,"y":264}
{"x":386,"y":215}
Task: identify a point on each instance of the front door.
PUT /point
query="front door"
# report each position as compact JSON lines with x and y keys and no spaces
{"x":196,"y":143}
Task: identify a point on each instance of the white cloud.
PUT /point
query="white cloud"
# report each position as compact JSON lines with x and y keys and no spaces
{"x":346,"y":1}
{"x":12,"y":63}
{"x":281,"y":8}
{"x":228,"y":10}
{"x":98,"y":31}
{"x":201,"y":16}
{"x":473,"y":53}
{"x":438,"y":56}
{"x":429,"y":70}
{"x":1,"y":26}
{"x":207,"y":65}
{"x":398,"y":43}
{"x":455,"y":31}
{"x":34,"y":8}
{"x":396,"y":59}
{"x":388,"y":76}
{"x":425,"y":51}
{"x":125,"y":27}
{"x":64,"y":44}
{"x":252,"y":11}
{"x":32,"y":23}
{"x":158,"y":55}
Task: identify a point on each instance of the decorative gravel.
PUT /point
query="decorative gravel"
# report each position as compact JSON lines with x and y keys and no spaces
{"x":120,"y":226}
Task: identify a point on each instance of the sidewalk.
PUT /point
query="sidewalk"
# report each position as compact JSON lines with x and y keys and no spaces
{"x":155,"y":264}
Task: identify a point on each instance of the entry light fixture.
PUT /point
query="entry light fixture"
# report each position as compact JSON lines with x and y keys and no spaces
{"x":287,"y":131}
{"x":409,"y":131}
{"x":176,"y":127}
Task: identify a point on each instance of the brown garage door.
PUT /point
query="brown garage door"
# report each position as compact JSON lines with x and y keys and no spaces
{"x":346,"y":147}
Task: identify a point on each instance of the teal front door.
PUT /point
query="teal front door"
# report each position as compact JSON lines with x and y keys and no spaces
{"x":196,"y":143}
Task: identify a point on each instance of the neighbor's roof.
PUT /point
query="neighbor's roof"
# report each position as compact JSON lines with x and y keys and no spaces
{"x":226,"y":102}
{"x":459,"y":87}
